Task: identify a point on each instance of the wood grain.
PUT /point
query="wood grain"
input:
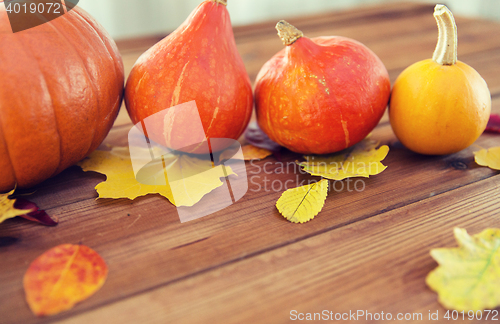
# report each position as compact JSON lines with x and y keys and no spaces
{"x":367,"y":250}
{"x":375,"y":265}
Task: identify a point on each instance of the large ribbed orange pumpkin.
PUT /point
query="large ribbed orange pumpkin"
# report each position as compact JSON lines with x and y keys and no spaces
{"x":61,"y":86}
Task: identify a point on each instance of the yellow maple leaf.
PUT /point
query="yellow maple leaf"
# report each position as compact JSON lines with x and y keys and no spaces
{"x":181,"y":178}
{"x":468,"y":277}
{"x":488,"y":158}
{"x":361,"y":160}
{"x":7,"y":209}
{"x":251,"y":152}
{"x":300,"y":205}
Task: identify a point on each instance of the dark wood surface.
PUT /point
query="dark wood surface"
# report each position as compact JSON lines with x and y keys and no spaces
{"x":365,"y":251}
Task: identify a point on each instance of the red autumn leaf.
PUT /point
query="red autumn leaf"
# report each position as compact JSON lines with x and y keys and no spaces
{"x":62,"y":277}
{"x":255,"y":136}
{"x":37,"y":215}
{"x":493,"y":124}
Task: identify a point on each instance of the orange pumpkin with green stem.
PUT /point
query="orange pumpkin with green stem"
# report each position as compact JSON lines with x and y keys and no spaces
{"x":440,"y":105}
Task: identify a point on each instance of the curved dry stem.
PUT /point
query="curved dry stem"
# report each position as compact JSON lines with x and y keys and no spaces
{"x":222,"y":2}
{"x":446,"y":48}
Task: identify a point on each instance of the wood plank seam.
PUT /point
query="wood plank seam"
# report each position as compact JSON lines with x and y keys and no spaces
{"x":272,"y":248}
{"x":75,"y":212}
{"x":334,"y":18}
{"x":306,"y":25}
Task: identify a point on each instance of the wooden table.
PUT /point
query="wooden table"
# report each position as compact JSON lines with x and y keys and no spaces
{"x":246,"y":264}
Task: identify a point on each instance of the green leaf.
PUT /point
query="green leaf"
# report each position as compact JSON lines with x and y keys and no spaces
{"x":468,"y":277}
{"x":300,"y":205}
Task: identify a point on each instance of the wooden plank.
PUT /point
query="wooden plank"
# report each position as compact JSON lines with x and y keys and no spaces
{"x":148,"y":249}
{"x":358,"y":16}
{"x":399,"y":41}
{"x":397,"y":51}
{"x":375,"y":265}
{"x":257,"y":43}
{"x":153,"y":236}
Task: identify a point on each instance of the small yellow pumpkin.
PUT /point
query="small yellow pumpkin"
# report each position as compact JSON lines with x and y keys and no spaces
{"x":440,"y":105}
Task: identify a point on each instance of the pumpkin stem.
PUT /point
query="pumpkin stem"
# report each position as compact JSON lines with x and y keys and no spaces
{"x":222,"y":2}
{"x":288,"y":33}
{"x":446,"y":49}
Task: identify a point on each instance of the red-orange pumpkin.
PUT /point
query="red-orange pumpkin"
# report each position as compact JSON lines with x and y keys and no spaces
{"x":61,"y":86}
{"x":199,"y":61}
{"x":320,"y":95}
